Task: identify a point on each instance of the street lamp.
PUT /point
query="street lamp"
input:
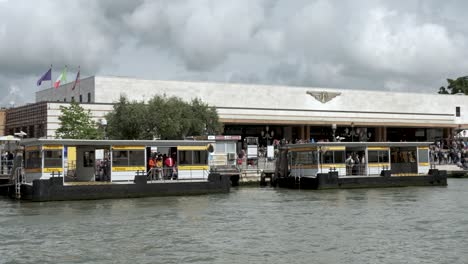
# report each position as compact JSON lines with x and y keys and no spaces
{"x":352,"y":133}
{"x":334,"y":131}
{"x":21,"y":134}
{"x":267,"y":135}
{"x":104,"y":125}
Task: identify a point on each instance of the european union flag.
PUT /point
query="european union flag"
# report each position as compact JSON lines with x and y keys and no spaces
{"x":46,"y":77}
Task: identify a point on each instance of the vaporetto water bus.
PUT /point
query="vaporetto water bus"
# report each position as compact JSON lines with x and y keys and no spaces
{"x":329,"y":165}
{"x":67,"y":169}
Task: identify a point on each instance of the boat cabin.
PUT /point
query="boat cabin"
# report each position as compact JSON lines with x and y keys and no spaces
{"x":113,"y":160}
{"x":355,"y":158}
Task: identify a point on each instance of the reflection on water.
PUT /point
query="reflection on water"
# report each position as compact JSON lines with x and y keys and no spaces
{"x":248,"y":225}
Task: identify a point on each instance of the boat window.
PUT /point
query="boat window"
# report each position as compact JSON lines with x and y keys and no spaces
{"x":332,"y":157}
{"x":231,"y":148}
{"x":185,"y":157}
{"x":136,"y":157}
{"x":33,"y":159}
{"x":120,"y":158}
{"x":423,"y":155}
{"x":220,"y":147}
{"x":403,"y":155}
{"x":53,"y":158}
{"x":339,"y":156}
{"x":193,"y":157}
{"x":327,"y":157}
{"x":305,"y":158}
{"x":200,"y":157}
{"x":377,"y":156}
{"x":88,"y":159}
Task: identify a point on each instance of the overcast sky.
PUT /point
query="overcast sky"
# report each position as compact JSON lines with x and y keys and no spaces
{"x":410,"y":45}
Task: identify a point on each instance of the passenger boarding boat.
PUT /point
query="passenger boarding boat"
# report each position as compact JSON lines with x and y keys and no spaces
{"x":66,"y":169}
{"x":328,"y":165}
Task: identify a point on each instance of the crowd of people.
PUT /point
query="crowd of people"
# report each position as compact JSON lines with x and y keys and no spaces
{"x":450,"y":152}
{"x":162,"y":166}
{"x":6,"y":163}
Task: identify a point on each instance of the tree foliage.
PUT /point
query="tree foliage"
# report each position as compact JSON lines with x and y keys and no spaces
{"x":128,"y":120}
{"x":76,"y":123}
{"x":459,"y":85}
{"x":162,"y":117}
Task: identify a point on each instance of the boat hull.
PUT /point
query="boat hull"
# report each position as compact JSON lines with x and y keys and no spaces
{"x":332,"y":181}
{"x":53,"y":189}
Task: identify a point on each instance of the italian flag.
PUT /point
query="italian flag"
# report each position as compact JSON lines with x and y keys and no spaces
{"x":62,"y":78}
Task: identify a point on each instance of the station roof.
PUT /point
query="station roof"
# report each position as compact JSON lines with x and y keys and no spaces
{"x":87,"y":142}
{"x":361,"y":144}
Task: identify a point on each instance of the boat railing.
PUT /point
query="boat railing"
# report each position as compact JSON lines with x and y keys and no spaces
{"x":173,"y":174}
{"x":357,"y":169}
{"x":261,"y":163}
{"x":6,"y":166}
{"x":299,"y":171}
{"x":18,"y":179}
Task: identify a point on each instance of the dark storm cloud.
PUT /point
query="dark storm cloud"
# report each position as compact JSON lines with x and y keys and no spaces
{"x":391,"y":45}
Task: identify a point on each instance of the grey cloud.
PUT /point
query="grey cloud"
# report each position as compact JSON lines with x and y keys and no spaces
{"x":394,"y":45}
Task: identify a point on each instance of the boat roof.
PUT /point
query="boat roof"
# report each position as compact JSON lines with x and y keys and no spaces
{"x":89,"y":142}
{"x":361,"y":144}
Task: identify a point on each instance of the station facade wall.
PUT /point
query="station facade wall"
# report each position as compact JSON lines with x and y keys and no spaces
{"x":253,"y":104}
{"x":298,"y":110}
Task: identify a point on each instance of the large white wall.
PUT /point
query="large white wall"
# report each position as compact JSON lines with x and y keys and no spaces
{"x":245,"y":103}
{"x":98,"y":111}
{"x":65,"y":91}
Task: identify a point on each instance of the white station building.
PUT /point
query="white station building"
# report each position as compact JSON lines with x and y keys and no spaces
{"x":268,"y":111}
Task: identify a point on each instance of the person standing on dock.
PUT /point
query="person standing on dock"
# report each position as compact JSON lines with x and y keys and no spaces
{"x":349,"y":164}
{"x":10,"y":158}
{"x":151,"y":165}
{"x":169,"y":163}
{"x":159,"y":167}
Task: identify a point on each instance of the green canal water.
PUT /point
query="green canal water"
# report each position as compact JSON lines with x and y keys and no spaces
{"x":248,"y":225}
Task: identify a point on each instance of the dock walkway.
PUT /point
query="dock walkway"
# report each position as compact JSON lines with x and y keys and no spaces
{"x":453,"y":170}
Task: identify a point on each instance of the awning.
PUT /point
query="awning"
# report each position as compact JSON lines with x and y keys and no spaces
{"x":9,"y":138}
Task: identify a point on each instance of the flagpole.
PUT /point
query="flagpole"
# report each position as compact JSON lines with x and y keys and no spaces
{"x":79,"y":86}
{"x":51,"y":77}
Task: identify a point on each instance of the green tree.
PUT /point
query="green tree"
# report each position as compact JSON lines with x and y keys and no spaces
{"x":459,"y":85}
{"x":76,"y":123}
{"x":205,"y":119}
{"x":128,"y":120}
{"x":163,"y":117}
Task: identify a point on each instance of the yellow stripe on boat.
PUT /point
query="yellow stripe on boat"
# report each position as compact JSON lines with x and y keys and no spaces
{"x":52,"y":147}
{"x":192,"y":147}
{"x":326,"y":166}
{"x":309,"y":166}
{"x":193,"y":167}
{"x":378,"y":148}
{"x":128,"y":168}
{"x":34,"y":170}
{"x":128,"y":147}
{"x":302,"y":149}
{"x":31,"y":148}
{"x":334,"y":148}
{"x":378,"y":164}
{"x":50,"y":170}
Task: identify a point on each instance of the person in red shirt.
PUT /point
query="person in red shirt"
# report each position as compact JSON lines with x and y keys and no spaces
{"x":169,"y":162}
{"x":151,"y":165}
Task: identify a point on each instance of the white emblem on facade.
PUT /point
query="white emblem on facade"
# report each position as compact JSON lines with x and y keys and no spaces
{"x":323,"y":97}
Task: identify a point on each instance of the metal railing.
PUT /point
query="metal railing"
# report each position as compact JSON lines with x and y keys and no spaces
{"x":6,"y":167}
{"x":19,"y":179}
{"x":173,"y":174}
{"x":357,"y":169}
{"x":262,"y":163}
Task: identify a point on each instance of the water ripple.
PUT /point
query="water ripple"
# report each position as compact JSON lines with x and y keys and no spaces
{"x":249,"y":225}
